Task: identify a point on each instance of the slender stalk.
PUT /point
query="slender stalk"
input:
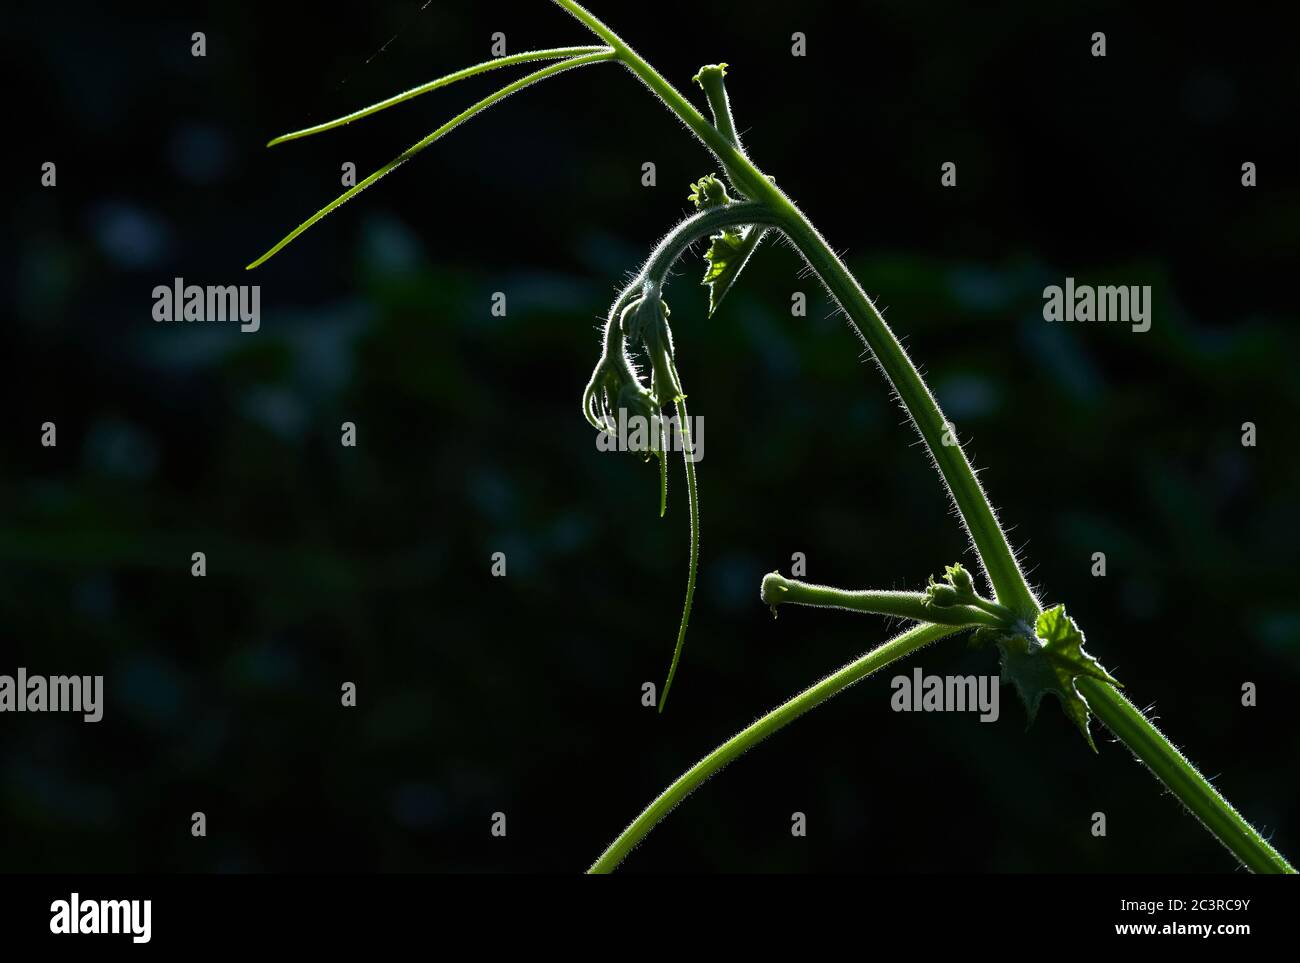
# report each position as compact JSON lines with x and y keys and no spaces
{"x":554,"y":53}
{"x":446,"y":128}
{"x":1174,"y":769}
{"x":692,"y":494}
{"x":778,"y":590}
{"x":835,"y":683}
{"x":715,"y":91}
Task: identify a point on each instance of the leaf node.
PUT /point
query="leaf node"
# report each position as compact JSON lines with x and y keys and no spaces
{"x":1049,"y":662}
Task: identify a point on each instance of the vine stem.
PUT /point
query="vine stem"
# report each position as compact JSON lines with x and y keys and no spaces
{"x":778,"y":590}
{"x":835,"y":683}
{"x":1008,"y":582}
{"x":1174,"y":769}
{"x":1003,"y":571}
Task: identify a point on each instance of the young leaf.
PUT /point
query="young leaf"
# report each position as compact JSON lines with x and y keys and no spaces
{"x":1051,"y":663}
{"x":708,"y":192}
{"x":957,"y":576}
{"x":727,"y":255}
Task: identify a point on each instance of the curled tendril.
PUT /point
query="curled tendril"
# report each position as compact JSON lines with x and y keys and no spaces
{"x":615,"y":384}
{"x":638,"y":320}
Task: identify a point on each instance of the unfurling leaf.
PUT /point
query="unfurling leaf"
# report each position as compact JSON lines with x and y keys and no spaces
{"x":1051,"y":663}
{"x":708,"y":192}
{"x":957,"y":588}
{"x":726,"y":257}
{"x":957,"y":576}
{"x":941,"y":596}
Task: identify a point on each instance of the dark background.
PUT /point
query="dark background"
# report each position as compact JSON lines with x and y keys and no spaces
{"x":522,"y":694}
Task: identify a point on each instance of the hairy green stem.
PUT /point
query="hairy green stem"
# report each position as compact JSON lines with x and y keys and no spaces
{"x":891,"y":651}
{"x":715,"y":91}
{"x":1174,"y":769}
{"x":1009,"y":585}
{"x":779,"y":590}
